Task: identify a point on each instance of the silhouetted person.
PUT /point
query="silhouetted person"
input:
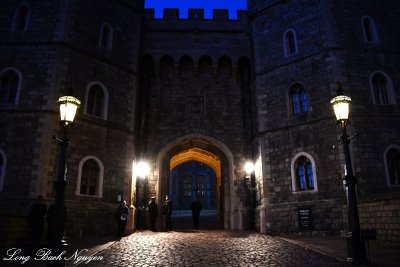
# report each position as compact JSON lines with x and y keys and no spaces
{"x":196,"y":209}
{"x":122,"y":218}
{"x":35,"y":220}
{"x":153,"y":213}
{"x":50,"y":218}
{"x":167,"y":211}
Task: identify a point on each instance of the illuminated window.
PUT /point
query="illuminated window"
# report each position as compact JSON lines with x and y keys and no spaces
{"x":21,"y":18}
{"x":96,"y":100}
{"x":9,"y":87}
{"x":106,"y":36}
{"x":392,"y":163}
{"x":369,"y":30}
{"x":382,"y":89}
{"x":290,"y":43}
{"x":90,"y":177}
{"x":299,"y":99}
{"x":303,"y":173}
{"x":3,"y":163}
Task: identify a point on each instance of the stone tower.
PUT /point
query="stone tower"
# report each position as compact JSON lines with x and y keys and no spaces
{"x":301,"y":49}
{"x":195,"y":91}
{"x":48,"y":48}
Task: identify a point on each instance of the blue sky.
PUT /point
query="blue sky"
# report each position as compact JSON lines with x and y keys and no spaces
{"x":207,"y":5}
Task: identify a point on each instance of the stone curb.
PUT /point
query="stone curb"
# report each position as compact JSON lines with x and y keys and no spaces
{"x":309,"y":247}
{"x":98,"y":249}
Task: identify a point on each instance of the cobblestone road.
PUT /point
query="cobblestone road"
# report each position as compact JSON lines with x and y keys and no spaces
{"x":208,"y":248}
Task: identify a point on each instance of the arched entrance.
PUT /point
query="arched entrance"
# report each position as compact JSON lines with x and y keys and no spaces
{"x":195,"y":174}
{"x":196,"y":150}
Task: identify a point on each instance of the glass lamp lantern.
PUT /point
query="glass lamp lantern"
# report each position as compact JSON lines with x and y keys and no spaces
{"x":341,"y":107}
{"x":143,"y":169}
{"x":249,"y":168}
{"x":68,"y":107}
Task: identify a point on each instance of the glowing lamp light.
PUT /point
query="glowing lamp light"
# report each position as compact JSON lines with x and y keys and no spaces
{"x":341,"y":106}
{"x":249,"y":167}
{"x":142,"y":169}
{"x":68,"y":107}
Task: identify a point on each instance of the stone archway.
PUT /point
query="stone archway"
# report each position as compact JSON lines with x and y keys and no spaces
{"x":211,"y":187}
{"x":204,"y":149}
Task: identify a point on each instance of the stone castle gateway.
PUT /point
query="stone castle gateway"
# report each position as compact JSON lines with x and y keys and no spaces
{"x":197,"y":98}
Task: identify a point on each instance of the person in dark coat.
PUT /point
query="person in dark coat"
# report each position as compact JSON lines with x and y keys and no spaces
{"x":50,"y":218}
{"x":167,"y":211}
{"x":35,"y":220}
{"x":153,"y":213}
{"x":196,"y":209}
{"x":121,"y":217}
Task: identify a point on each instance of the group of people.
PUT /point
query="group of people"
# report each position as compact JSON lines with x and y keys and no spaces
{"x":123,"y":211}
{"x":38,"y":214}
{"x":167,"y":213}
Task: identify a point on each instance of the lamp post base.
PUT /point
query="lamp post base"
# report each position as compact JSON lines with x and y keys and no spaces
{"x":355,"y":249}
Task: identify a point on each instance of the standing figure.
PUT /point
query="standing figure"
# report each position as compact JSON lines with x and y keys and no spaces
{"x":54,"y":225}
{"x":153,"y":213}
{"x":122,"y":217}
{"x":167,"y":211}
{"x":35,"y":220}
{"x":196,"y":209}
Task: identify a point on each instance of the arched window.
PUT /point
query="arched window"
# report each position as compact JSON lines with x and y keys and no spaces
{"x":299,"y":99}
{"x":166,"y":68}
{"x":21,"y":18}
{"x":392,"y":164}
{"x":186,"y":68}
{"x":96,"y":100}
{"x":369,"y":30}
{"x":9,"y":87}
{"x":289,"y":43}
{"x":106,"y":35}
{"x":224,"y":67}
{"x":382,"y":89}
{"x":303,"y":173}
{"x":90,"y":177}
{"x":205,"y":68}
{"x":3,"y":163}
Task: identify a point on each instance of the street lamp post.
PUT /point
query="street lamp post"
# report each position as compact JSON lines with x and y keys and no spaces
{"x":249,"y":169}
{"x":68,"y":106}
{"x":355,"y":249}
{"x":249,"y":180}
{"x":142,"y":171}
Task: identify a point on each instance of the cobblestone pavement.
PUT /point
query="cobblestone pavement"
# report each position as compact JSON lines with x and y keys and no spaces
{"x":208,"y":248}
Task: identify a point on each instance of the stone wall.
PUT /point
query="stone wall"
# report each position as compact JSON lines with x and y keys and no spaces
{"x":13,"y":221}
{"x":88,"y":219}
{"x":84,"y":219}
{"x":382,"y":216}
{"x":326,"y":217}
{"x":60,"y":51}
{"x":193,"y":87}
{"x":16,"y":230}
{"x":330,"y":48}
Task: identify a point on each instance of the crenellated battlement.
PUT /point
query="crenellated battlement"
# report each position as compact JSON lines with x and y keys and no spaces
{"x":195,"y":14}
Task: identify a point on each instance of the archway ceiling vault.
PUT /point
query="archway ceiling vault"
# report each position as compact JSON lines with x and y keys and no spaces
{"x":199,"y":155}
